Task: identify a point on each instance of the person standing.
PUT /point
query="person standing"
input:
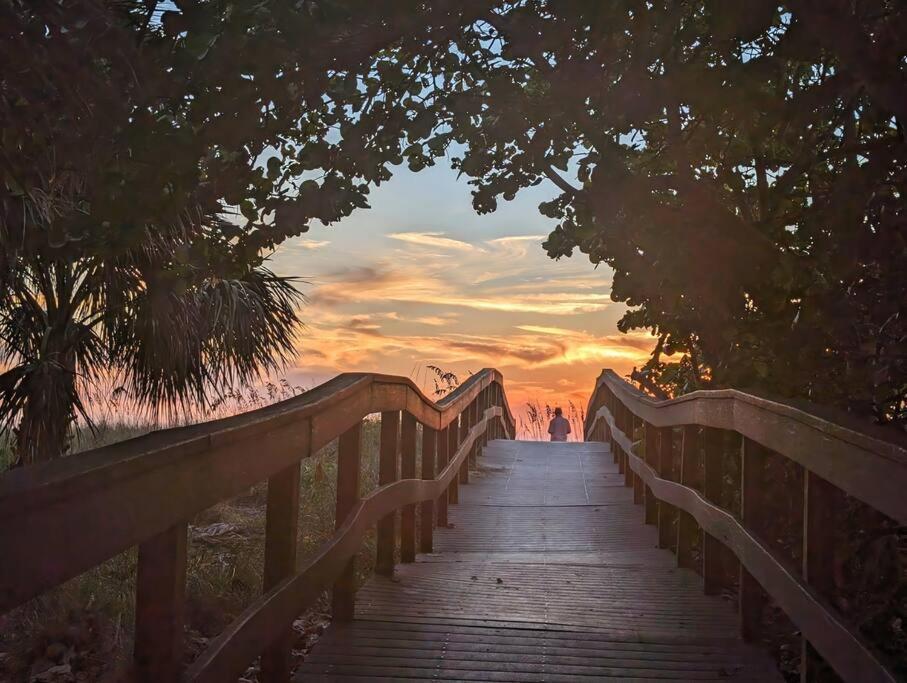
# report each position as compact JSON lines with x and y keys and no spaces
{"x":559,"y":427}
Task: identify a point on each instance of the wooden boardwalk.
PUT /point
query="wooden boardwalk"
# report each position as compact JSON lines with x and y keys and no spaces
{"x":547,"y":573}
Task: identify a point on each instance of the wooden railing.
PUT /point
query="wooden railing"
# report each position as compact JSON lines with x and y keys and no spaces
{"x":686,"y":494}
{"x":59,"y":519}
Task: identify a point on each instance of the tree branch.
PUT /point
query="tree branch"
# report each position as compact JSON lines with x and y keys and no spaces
{"x":549,"y":171}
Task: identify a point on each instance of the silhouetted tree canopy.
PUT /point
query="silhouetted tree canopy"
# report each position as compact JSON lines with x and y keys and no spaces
{"x":131,"y":132}
{"x":740,"y":166}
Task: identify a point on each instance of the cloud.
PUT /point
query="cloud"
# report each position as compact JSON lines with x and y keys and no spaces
{"x":553,"y":304}
{"x":534,"y":283}
{"x":363,"y":325}
{"x":415,"y":285}
{"x":518,"y":238}
{"x":428,"y":298}
{"x":432,"y":239}
{"x":310,"y":245}
{"x":502,"y":350}
{"x":550,"y":364}
{"x":360,"y":343}
{"x":517,"y":246}
{"x":432,"y":320}
{"x":540,"y":329}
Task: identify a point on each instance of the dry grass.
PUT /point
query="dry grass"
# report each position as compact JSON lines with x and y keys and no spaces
{"x":535,"y":425}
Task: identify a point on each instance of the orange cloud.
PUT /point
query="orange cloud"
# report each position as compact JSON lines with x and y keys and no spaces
{"x":539,"y":329}
{"x":418,"y":286}
{"x":361,"y":338}
{"x":539,"y":365}
{"x":424,"y":297}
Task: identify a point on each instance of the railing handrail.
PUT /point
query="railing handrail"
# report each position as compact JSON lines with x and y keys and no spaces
{"x":138,"y":488}
{"x":871,"y":470}
{"x":228,"y":655}
{"x":868,"y":468}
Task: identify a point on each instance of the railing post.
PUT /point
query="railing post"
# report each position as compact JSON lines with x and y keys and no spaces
{"x":408,"y":471}
{"x":820,"y":502}
{"x":506,"y":422}
{"x":160,"y":605}
{"x":752,"y":496}
{"x":387,"y":473}
{"x":348,"y":467}
{"x":426,"y":521}
{"x":651,"y":502}
{"x":665,"y":468}
{"x":453,"y":440}
{"x":638,"y":490}
{"x":484,"y":405}
{"x":711,"y":489}
{"x":472,"y":412}
{"x":638,"y":494}
{"x":465,"y":425}
{"x":443,"y":459}
{"x":687,"y":529}
{"x":480,"y":414}
{"x":612,"y":408}
{"x":281,"y":527}
{"x":492,"y":401}
{"x":617,"y":414}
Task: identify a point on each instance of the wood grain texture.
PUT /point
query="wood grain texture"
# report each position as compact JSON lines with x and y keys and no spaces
{"x":55,"y":520}
{"x":348,"y":460}
{"x":443,"y":457}
{"x":752,"y":598}
{"x":841,"y":646}
{"x":427,"y":513}
{"x":547,"y":574}
{"x":281,"y":532}
{"x":667,"y":515}
{"x":228,"y":655}
{"x":388,"y":468}
{"x":160,"y":598}
{"x":822,"y":503}
{"x":867,"y":466}
{"x":453,"y":439}
{"x":408,"y":471}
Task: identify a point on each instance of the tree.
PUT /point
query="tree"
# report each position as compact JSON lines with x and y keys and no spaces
{"x":740,"y":166}
{"x":130,"y":130}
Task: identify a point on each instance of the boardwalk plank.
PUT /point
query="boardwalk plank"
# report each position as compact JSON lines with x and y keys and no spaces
{"x":546,"y":574}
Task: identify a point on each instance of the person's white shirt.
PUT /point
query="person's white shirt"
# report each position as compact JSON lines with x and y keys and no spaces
{"x":559,"y":428}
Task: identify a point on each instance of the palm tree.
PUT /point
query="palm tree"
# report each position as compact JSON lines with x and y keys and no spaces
{"x":173,"y":318}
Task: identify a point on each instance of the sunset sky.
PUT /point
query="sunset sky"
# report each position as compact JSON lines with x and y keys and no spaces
{"x":420,"y":279}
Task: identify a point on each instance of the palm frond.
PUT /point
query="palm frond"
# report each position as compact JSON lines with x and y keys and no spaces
{"x":178,"y":349}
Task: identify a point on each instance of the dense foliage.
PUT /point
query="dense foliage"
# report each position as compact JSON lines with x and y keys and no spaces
{"x":130,"y":131}
{"x":741,"y":167}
